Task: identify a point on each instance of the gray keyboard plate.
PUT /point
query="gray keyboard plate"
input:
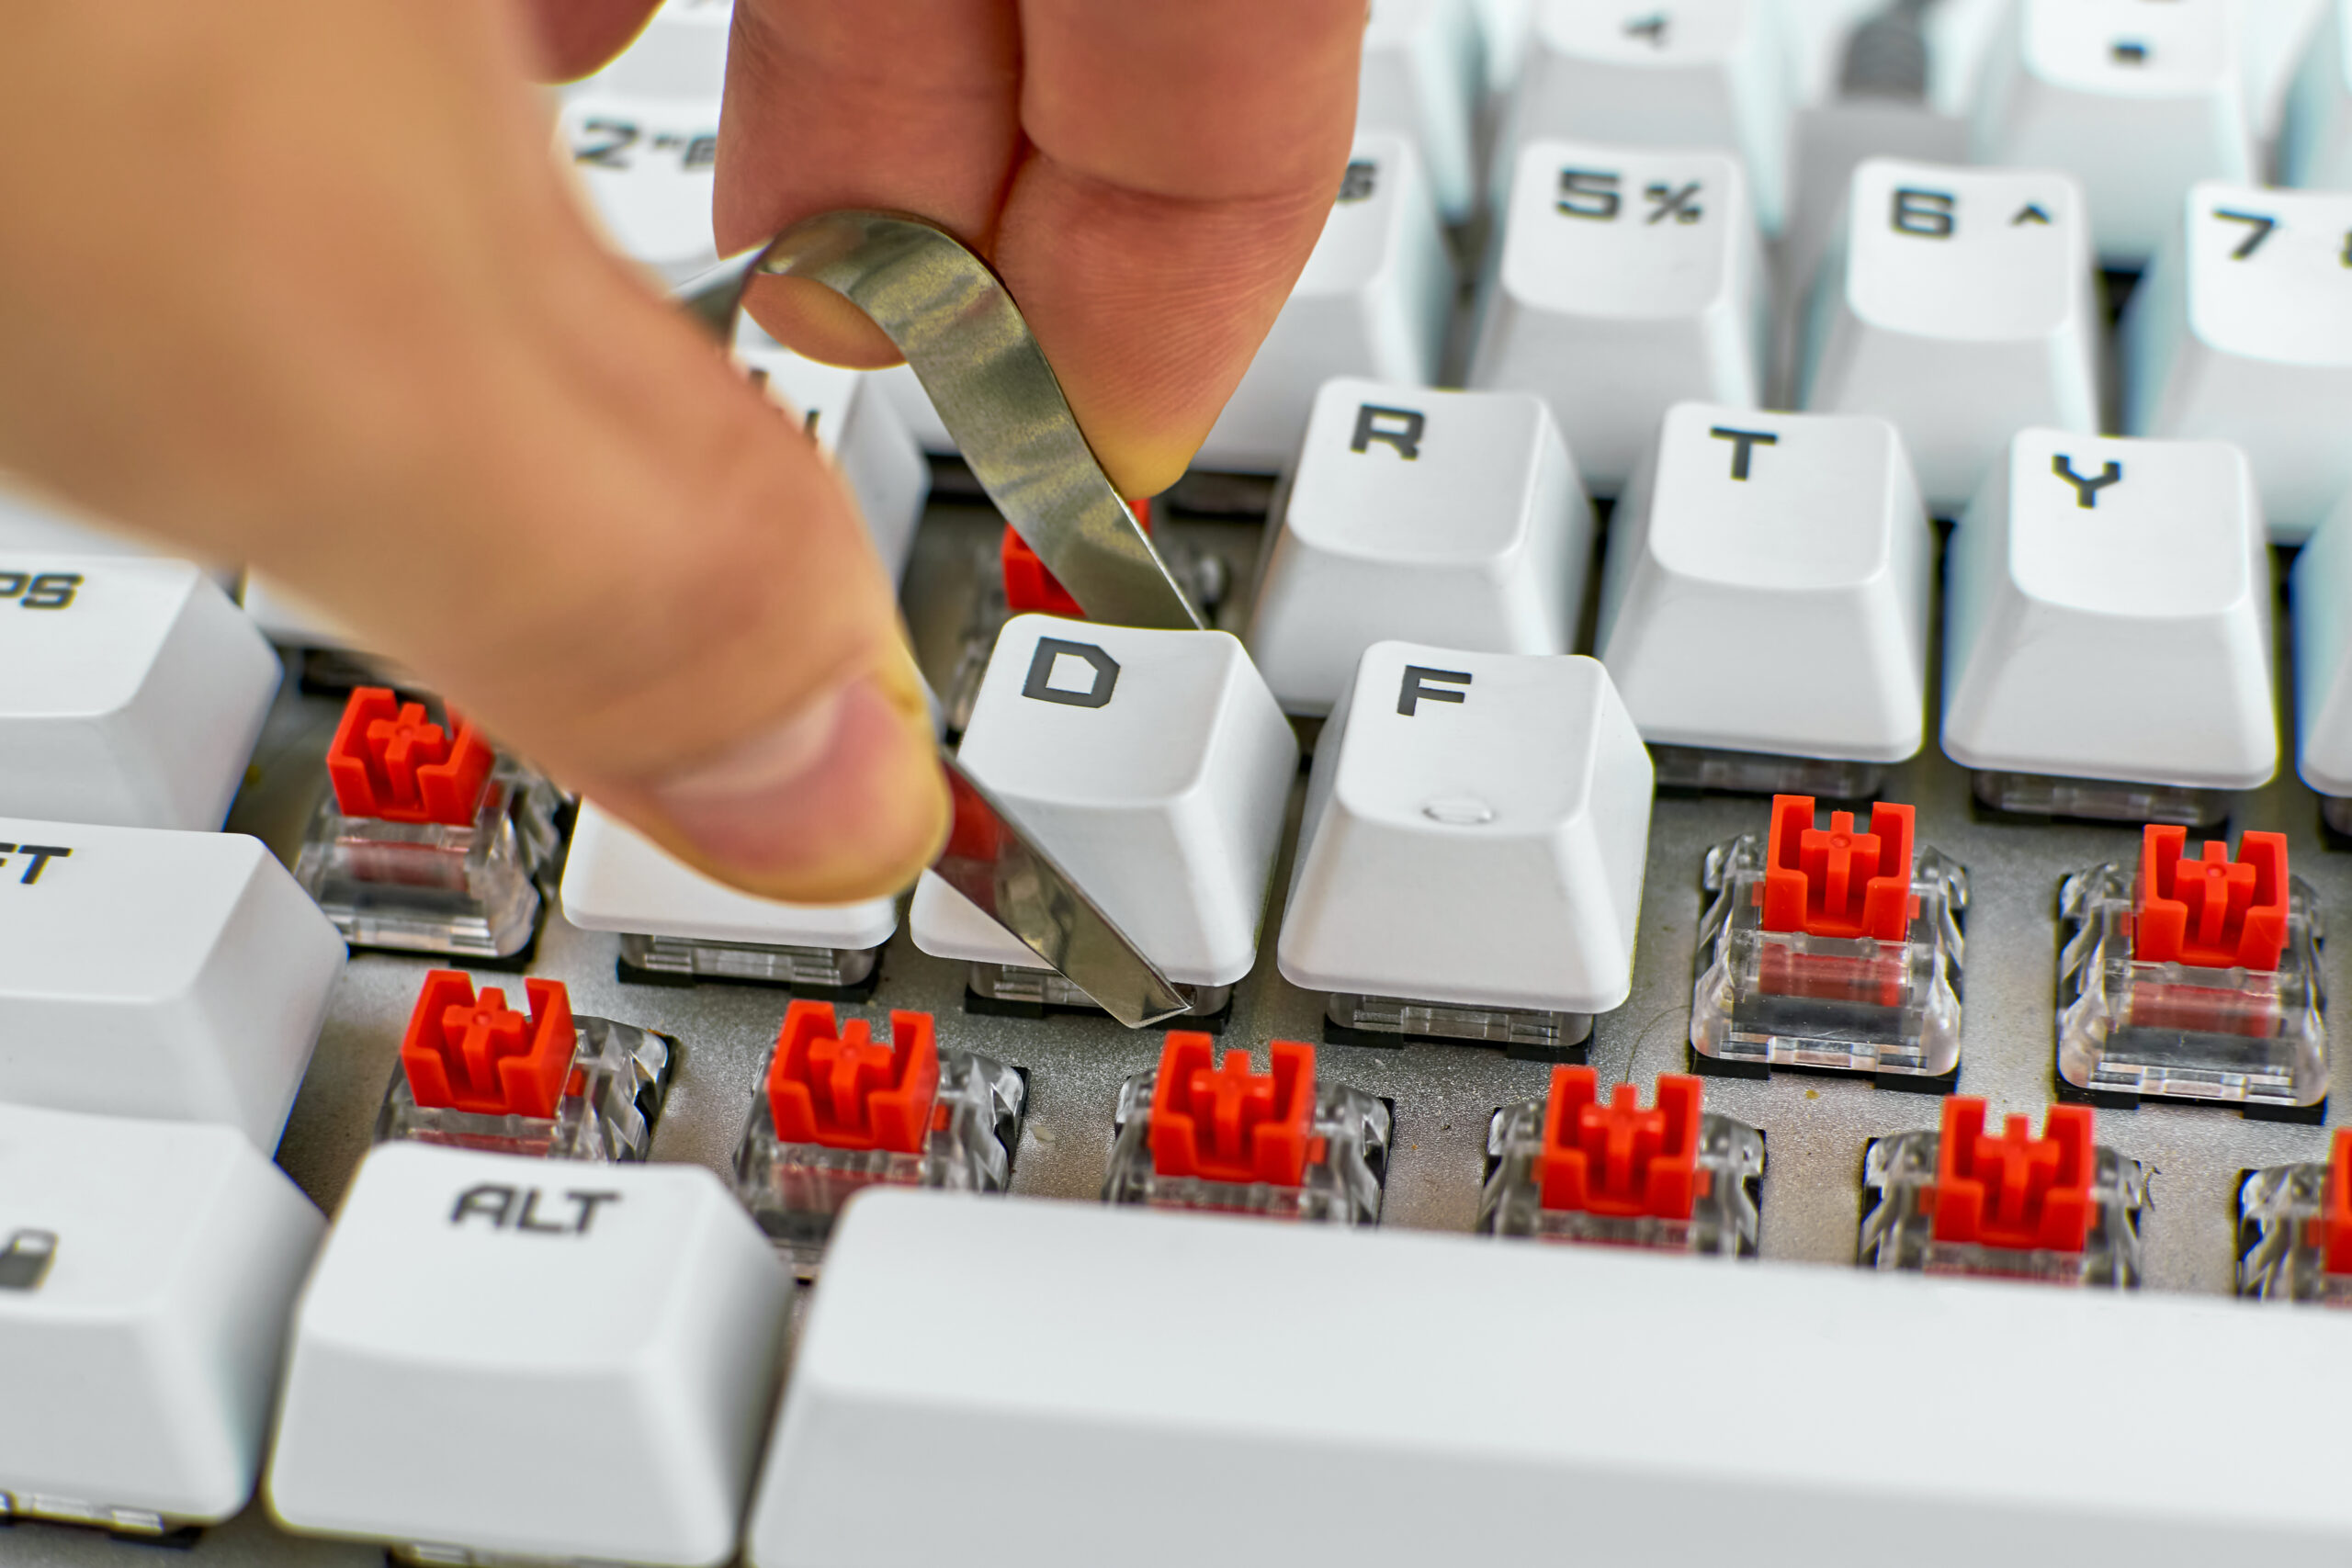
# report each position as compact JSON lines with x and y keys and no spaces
{"x":1817,"y":1124}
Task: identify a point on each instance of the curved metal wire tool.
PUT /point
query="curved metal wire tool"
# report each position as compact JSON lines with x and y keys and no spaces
{"x":998,"y":398}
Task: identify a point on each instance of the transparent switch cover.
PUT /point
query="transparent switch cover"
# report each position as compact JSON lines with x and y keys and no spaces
{"x":1898,"y":1222}
{"x":1523,"y":1032}
{"x":143,"y":1525}
{"x":1340,"y":1185}
{"x":2284,"y":1226}
{"x":1723,"y":1216}
{"x":611,"y":1101}
{"x":796,"y":1191}
{"x":474,"y":890}
{"x":2237,"y":1035}
{"x":1792,"y":999}
{"x":697,"y":958}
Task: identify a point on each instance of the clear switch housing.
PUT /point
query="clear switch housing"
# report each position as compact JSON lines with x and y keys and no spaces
{"x":1674,"y":1178}
{"x":2295,"y":1230}
{"x":1830,"y":947}
{"x":841,"y":1112}
{"x":1196,"y":1134}
{"x":2193,"y":979}
{"x":578,"y":1089}
{"x":430,"y":840}
{"x":2060,"y":1208}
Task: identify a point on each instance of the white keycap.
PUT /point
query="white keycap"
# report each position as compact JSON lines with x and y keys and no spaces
{"x":1683,"y":73}
{"x":2315,"y":140}
{"x":1961,"y":305}
{"x":2112,"y":621}
{"x":1629,"y":281}
{"x":1153,"y":765}
{"x":1374,"y":301}
{"x":858,"y":426}
{"x":1469,"y":1444}
{"x":2273,"y":37}
{"x":2242,"y":333}
{"x":132,"y":690}
{"x":509,"y":1355}
{"x":1803,"y":531}
{"x":1424,"y":72}
{"x":1474,"y":832}
{"x":647,"y":166}
{"x":618,"y":880}
{"x":2138,"y":99}
{"x":147,"y":1269}
{"x":642,"y":135}
{"x":1453,"y":518}
{"x":916,"y":412}
{"x":2320,"y":594}
{"x":170,"y":975}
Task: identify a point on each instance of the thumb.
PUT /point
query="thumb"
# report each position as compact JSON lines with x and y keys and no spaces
{"x":398,"y":372}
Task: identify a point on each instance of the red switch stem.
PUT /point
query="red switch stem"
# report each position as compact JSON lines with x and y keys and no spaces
{"x":1618,"y":1159}
{"x":2337,"y":1218}
{"x":2014,"y":1191}
{"x":478,"y":1055}
{"x":1838,"y":881}
{"x":837,"y":1086}
{"x":2212,"y":913}
{"x":390,"y":764}
{"x":1222,"y":1122}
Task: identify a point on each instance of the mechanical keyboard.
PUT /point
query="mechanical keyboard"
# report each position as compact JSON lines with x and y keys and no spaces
{"x":1822,"y":758}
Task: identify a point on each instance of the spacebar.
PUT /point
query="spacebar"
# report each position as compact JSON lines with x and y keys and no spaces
{"x":1055,"y":1384}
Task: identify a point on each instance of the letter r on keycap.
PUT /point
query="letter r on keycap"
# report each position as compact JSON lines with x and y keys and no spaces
{"x":1417,"y":687}
{"x":1050,"y":650}
{"x":1400,"y":428}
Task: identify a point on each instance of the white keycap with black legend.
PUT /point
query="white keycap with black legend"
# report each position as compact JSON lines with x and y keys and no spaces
{"x":1475,"y":834}
{"x":504,"y":1355}
{"x":2242,"y":333}
{"x":1768,"y":585}
{"x":2138,"y":99}
{"x":2315,"y":130}
{"x":854,"y":423}
{"x":1960,"y":304}
{"x":132,"y":690}
{"x":2320,"y":594}
{"x":1453,"y":518}
{"x":614,"y":879}
{"x":1423,"y":76}
{"x":2107,"y":617}
{"x":1683,"y":74}
{"x":170,"y":975}
{"x":642,"y":136}
{"x":1412,"y":1367}
{"x":147,"y":1272}
{"x":1630,"y":281}
{"x":1153,"y":765}
{"x":1373,"y":300}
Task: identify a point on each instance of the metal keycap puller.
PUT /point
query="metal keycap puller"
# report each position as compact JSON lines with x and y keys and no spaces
{"x":969,"y":345}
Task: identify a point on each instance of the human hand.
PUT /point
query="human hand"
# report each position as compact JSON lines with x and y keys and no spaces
{"x":302,"y":285}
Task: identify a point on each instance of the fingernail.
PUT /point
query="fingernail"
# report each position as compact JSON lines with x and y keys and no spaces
{"x":842,"y":799}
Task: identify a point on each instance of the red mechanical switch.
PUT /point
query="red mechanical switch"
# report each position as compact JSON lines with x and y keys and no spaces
{"x":1619,"y":1159}
{"x":1837,"y":882}
{"x":475,"y":1054}
{"x":2210,"y":913}
{"x":2338,"y":1222}
{"x":390,"y":763}
{"x":841,"y":1087}
{"x":1030,"y":588}
{"x":1221,"y":1121}
{"x":2014,"y":1191}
